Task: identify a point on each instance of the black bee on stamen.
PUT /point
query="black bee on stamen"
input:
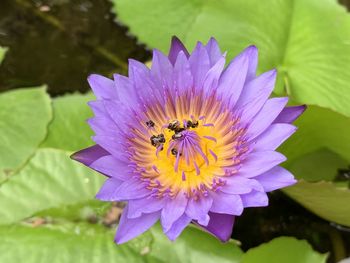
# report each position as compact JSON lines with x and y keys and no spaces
{"x":192,"y":124}
{"x":174,"y":125}
{"x":174,"y":152}
{"x":150,"y":124}
{"x":176,"y":136}
{"x":157,"y":140}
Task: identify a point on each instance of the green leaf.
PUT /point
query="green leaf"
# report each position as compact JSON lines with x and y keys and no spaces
{"x":319,"y":165}
{"x":306,"y":40}
{"x":93,"y":243}
{"x":319,"y":128}
{"x":284,"y":249}
{"x":192,"y":246}
{"x":57,"y":244}
{"x":49,"y":180}
{"x":24,"y":116}
{"x":3,"y":51}
{"x":315,"y":152}
{"x":92,"y":209}
{"x":69,"y":130}
{"x":324,"y":199}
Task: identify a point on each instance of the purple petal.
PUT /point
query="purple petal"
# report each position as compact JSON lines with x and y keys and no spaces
{"x":198,"y":209}
{"x":112,"y":167}
{"x":175,"y":48}
{"x":177,"y":227}
{"x":131,"y":228}
{"x":274,"y":136}
{"x":146,"y":89}
{"x":255,"y":199}
{"x":212,"y":77}
{"x":232,"y":81}
{"x":173,"y":210}
{"x":161,"y":70}
{"x":237,"y":184}
{"x":255,"y":94}
{"x":103,"y":126}
{"x":126,"y":91}
{"x":200,"y":65}
{"x":226,"y":203}
{"x":290,"y":114}
{"x":182,"y":74}
{"x":98,"y":108}
{"x":113,"y":146}
{"x":213,"y":50}
{"x":118,"y":112}
{"x":89,"y":155}
{"x":252,"y":53}
{"x":113,"y":190}
{"x":266,"y":116}
{"x":110,"y":186}
{"x":144,"y":206}
{"x":102,"y":87}
{"x":259,"y":162}
{"x":276,"y":178}
{"x":220,"y":225}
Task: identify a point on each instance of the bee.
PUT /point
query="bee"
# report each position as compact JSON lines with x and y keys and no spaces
{"x":157,"y":140}
{"x":150,"y":124}
{"x":177,"y":136}
{"x":192,"y":124}
{"x":174,"y":125}
{"x":174,"y":152}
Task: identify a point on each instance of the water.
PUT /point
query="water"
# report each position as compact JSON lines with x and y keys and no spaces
{"x":61,"y":42}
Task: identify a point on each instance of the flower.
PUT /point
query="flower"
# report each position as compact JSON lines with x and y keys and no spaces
{"x":188,"y":140}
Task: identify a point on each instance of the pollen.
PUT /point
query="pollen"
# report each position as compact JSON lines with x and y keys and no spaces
{"x":190,"y":146}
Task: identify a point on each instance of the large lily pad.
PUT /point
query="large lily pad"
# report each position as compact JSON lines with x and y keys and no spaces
{"x":93,"y":243}
{"x":325,"y":199}
{"x":286,"y":250}
{"x":68,"y":129}
{"x":50,"y":180}
{"x":24,"y":116}
{"x":306,"y":40}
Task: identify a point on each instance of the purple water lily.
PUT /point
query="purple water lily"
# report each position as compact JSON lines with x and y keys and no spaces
{"x":188,"y":140}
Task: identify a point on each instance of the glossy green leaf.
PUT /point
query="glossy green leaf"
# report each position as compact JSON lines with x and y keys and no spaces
{"x":49,"y":180}
{"x":68,"y":129}
{"x":284,"y":249}
{"x":85,"y":211}
{"x":93,"y":243}
{"x":192,"y":246}
{"x":24,"y":116}
{"x":319,"y":165}
{"x":67,"y":243}
{"x":325,"y":199}
{"x":319,"y":128}
{"x":315,"y":152}
{"x":3,"y":51}
{"x":306,"y":40}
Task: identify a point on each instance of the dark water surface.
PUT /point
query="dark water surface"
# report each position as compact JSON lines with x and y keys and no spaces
{"x":61,"y":42}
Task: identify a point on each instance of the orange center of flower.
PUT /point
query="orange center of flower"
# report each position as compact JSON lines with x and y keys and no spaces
{"x":188,"y":145}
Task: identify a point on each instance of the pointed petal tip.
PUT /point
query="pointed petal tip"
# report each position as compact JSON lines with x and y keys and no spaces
{"x":74,"y":156}
{"x":273,"y":71}
{"x":212,"y":40}
{"x":89,"y":155}
{"x":175,"y":39}
{"x":118,"y":240}
{"x":175,"y":47}
{"x":303,"y":108}
{"x":252,"y":48}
